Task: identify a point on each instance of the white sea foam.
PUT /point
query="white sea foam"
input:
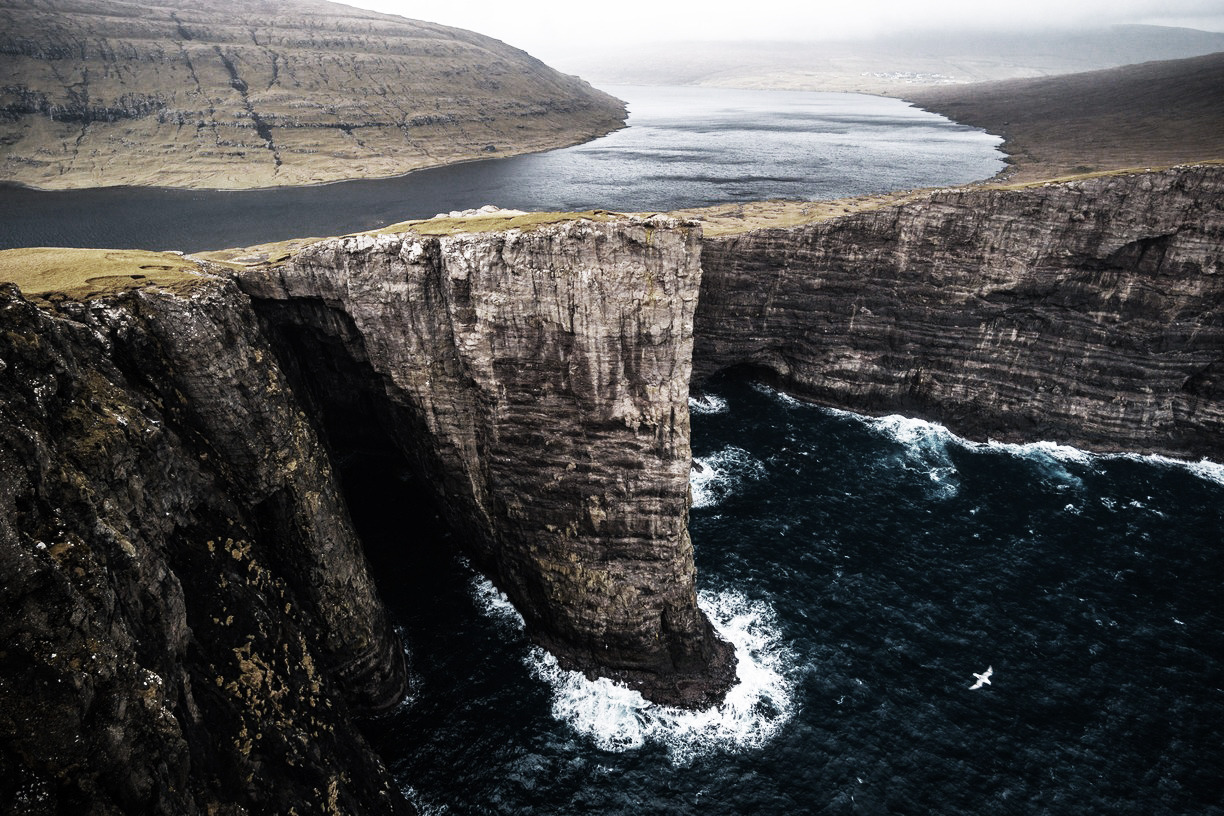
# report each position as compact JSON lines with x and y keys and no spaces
{"x":494,"y":603}
{"x":720,"y":474}
{"x":925,"y":446}
{"x":780,"y":396}
{"x":707,"y":404}
{"x":424,"y":808}
{"x":617,"y":718}
{"x":1204,"y":468}
{"x":755,"y":709}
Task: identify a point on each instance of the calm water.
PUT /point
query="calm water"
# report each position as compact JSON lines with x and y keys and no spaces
{"x":866,"y":569}
{"x":684,"y":147}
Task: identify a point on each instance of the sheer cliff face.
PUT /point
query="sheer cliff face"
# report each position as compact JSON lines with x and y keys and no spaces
{"x":1087,"y":312}
{"x":251,"y":93}
{"x":539,"y":382}
{"x":189,"y":623}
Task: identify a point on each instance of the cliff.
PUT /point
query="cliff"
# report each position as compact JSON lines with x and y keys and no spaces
{"x":1089,"y":312}
{"x":224,"y":94}
{"x":189,"y":623}
{"x":536,"y":377}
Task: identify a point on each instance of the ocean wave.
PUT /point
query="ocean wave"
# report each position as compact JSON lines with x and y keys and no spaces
{"x":780,"y":396}
{"x":494,"y":603}
{"x":925,"y":450}
{"x":707,"y":404}
{"x":619,"y":719}
{"x":616,"y":718}
{"x":715,"y":477}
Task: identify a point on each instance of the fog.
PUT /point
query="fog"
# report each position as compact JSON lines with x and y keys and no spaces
{"x":551,"y":29}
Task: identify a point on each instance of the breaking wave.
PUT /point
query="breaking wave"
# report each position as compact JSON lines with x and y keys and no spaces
{"x":715,"y":477}
{"x":707,"y":404}
{"x":616,"y":718}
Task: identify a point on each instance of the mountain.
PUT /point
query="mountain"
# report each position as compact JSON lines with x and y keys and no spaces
{"x":1147,"y":115}
{"x":252,"y":93}
{"x":888,"y":65}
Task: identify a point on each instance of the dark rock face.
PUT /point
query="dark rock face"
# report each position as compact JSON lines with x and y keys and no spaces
{"x":1088,"y":312}
{"x":189,"y":625}
{"x":538,"y":380}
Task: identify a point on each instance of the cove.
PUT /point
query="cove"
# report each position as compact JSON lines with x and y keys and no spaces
{"x":683,"y":147}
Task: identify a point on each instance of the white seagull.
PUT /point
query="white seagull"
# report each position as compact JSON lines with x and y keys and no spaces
{"x":983,"y":679}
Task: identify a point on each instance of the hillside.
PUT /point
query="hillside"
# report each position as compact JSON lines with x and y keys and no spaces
{"x":1146,"y":115}
{"x":252,"y":93}
{"x":888,"y":65}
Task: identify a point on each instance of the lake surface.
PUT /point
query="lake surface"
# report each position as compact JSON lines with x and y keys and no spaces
{"x":866,"y":569}
{"x":683,"y":147}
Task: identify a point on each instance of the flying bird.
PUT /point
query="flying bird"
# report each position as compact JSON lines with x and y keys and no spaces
{"x":983,"y":679}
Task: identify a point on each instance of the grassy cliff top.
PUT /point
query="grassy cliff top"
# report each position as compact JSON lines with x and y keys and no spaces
{"x":82,"y":274}
{"x":280,"y":251}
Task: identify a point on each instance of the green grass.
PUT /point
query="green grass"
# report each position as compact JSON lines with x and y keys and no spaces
{"x":81,"y":274}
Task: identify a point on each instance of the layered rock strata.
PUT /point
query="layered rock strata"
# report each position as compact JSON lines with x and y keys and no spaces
{"x":538,"y":380}
{"x":1088,"y":312}
{"x":254,"y":93}
{"x":189,"y":623}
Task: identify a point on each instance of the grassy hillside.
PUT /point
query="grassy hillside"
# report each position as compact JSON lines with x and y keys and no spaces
{"x":248,"y":93}
{"x":1147,"y":115}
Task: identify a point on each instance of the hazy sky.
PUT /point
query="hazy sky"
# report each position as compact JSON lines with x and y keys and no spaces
{"x":546,"y":27}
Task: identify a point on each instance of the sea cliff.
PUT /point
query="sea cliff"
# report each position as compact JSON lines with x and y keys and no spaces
{"x":192,"y":625}
{"x":1088,"y":312}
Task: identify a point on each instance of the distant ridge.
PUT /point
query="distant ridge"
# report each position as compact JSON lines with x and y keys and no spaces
{"x":249,"y":93}
{"x":1147,"y":115}
{"x":891,"y":65}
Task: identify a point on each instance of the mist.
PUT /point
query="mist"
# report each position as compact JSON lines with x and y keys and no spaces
{"x":556,"y":31}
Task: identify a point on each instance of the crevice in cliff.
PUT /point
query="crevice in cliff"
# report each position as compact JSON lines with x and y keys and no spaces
{"x":388,"y":496}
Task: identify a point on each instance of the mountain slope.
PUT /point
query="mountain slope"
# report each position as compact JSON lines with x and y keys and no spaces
{"x":258,"y":93}
{"x":1146,"y":115}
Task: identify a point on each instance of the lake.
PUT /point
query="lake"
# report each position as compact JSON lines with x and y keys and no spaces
{"x":684,"y":147}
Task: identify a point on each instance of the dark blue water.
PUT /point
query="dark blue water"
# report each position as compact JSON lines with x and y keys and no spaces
{"x":684,"y":147}
{"x":867,"y":569}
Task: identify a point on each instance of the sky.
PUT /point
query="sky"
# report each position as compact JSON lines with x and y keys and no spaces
{"x":547,"y":27}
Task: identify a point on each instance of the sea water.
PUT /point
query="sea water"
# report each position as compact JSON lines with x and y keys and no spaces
{"x":865,"y":570}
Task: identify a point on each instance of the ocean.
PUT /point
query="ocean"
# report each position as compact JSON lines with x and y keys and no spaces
{"x":866,"y":570}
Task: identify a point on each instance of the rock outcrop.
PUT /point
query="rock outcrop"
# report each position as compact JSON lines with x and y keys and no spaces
{"x":189,"y":623}
{"x":1089,"y":312}
{"x":255,"y":93}
{"x":537,"y":378}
